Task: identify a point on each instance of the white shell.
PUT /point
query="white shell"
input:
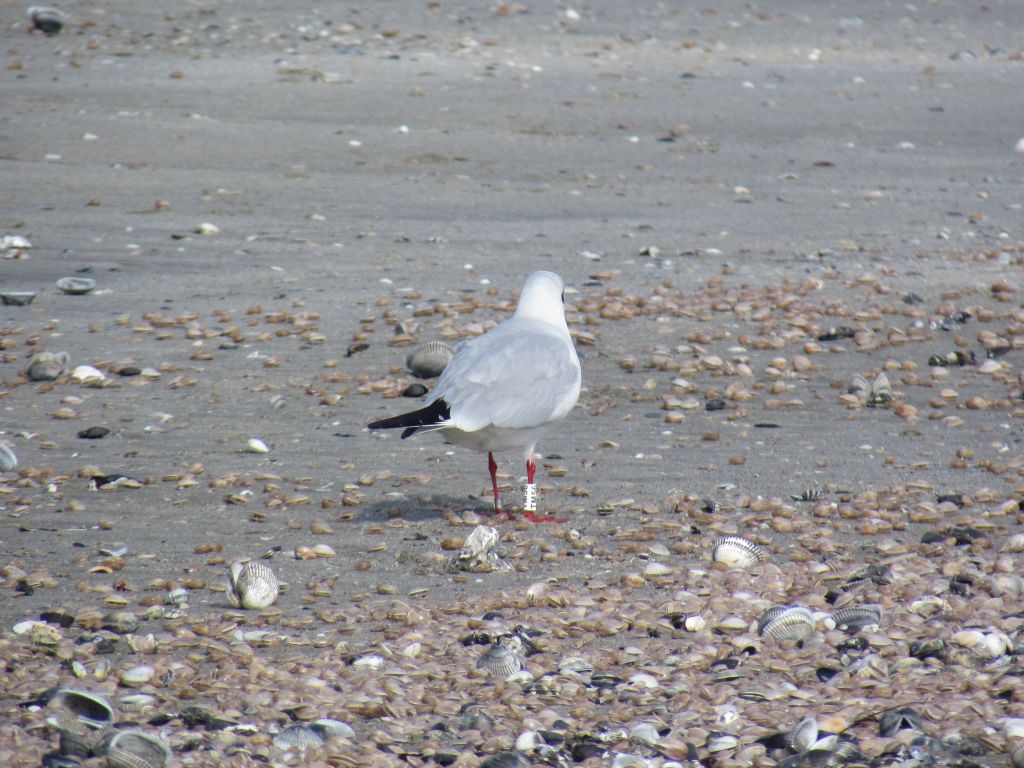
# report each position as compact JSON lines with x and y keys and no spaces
{"x":253,"y":585}
{"x":76,"y":285}
{"x":786,"y":623}
{"x":8,"y":458}
{"x":255,"y":445}
{"x":736,"y":552}
{"x":804,"y":736}
{"x":138,"y":675}
{"x":500,"y":660}
{"x":86,"y":374}
{"x":137,"y":749}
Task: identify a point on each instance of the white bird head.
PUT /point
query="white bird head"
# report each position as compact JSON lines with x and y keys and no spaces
{"x":542,"y":298}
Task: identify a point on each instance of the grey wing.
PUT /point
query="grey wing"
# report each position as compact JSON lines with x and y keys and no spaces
{"x":515,"y":379}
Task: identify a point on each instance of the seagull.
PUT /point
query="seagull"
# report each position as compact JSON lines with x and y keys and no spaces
{"x":506,"y":389}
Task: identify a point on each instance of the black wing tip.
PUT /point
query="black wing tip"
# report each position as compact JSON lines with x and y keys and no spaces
{"x":434,"y":413}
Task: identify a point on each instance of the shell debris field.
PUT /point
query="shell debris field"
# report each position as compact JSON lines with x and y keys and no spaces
{"x":661,"y":628}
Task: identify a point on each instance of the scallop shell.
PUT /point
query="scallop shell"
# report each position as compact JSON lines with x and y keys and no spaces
{"x":854,"y":618}
{"x":299,"y":738}
{"x":77,"y":740}
{"x":896,"y":720}
{"x":137,"y":749}
{"x":253,"y":585}
{"x":878,"y":393}
{"x":8,"y":458}
{"x":47,"y":366}
{"x":786,"y":623}
{"x":736,"y":552}
{"x":76,"y":285}
{"x":428,"y":360}
{"x":72,"y":705}
{"x":501,"y":660}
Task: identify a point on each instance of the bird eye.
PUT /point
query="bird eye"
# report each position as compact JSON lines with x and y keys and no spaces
{"x":563,"y":297}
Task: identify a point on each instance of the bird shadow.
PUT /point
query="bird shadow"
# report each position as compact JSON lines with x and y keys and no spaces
{"x":423,"y":507}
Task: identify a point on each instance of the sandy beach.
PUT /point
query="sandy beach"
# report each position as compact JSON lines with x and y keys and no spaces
{"x":749,"y":206}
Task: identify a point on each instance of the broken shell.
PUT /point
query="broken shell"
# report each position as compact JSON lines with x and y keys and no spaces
{"x":8,"y":458}
{"x":17,"y":298}
{"x":252,"y":585}
{"x":47,"y":20}
{"x":502,"y":660}
{"x":77,"y":740}
{"x":76,"y":286}
{"x":90,"y":709}
{"x":736,"y":552}
{"x":428,"y":360}
{"x":86,"y":374}
{"x":897,"y":720}
{"x":47,"y":366}
{"x":853,"y":618}
{"x":137,"y":749}
{"x":786,"y":623}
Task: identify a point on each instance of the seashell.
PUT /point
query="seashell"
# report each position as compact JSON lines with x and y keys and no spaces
{"x":252,"y":585}
{"x":137,"y":749}
{"x":17,"y":298}
{"x":137,"y":675}
{"x":8,"y":458}
{"x":77,"y":740}
{"x":91,"y":709}
{"x":333,"y":729}
{"x":574,"y":665}
{"x":508,"y":759}
{"x":720,"y":742}
{"x":646,"y":734}
{"x":736,"y":552}
{"x":299,"y":738}
{"x":878,"y":393}
{"x":853,"y":618}
{"x":120,"y":622}
{"x":86,"y":374}
{"x":900,"y":719}
{"x":76,"y":286}
{"x":786,"y":623}
{"x":47,"y":366}
{"x":255,"y":445}
{"x":1017,"y":756}
{"x":804,"y":736}
{"x":136,"y":702}
{"x":428,"y":360}
{"x":47,"y":20}
{"x":54,"y":760}
{"x":502,"y":659}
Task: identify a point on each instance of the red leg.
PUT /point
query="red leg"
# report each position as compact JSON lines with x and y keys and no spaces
{"x":531,"y":467}
{"x":492,"y":466}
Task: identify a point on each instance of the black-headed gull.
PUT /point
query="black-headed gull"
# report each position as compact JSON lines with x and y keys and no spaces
{"x":508,"y":388}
